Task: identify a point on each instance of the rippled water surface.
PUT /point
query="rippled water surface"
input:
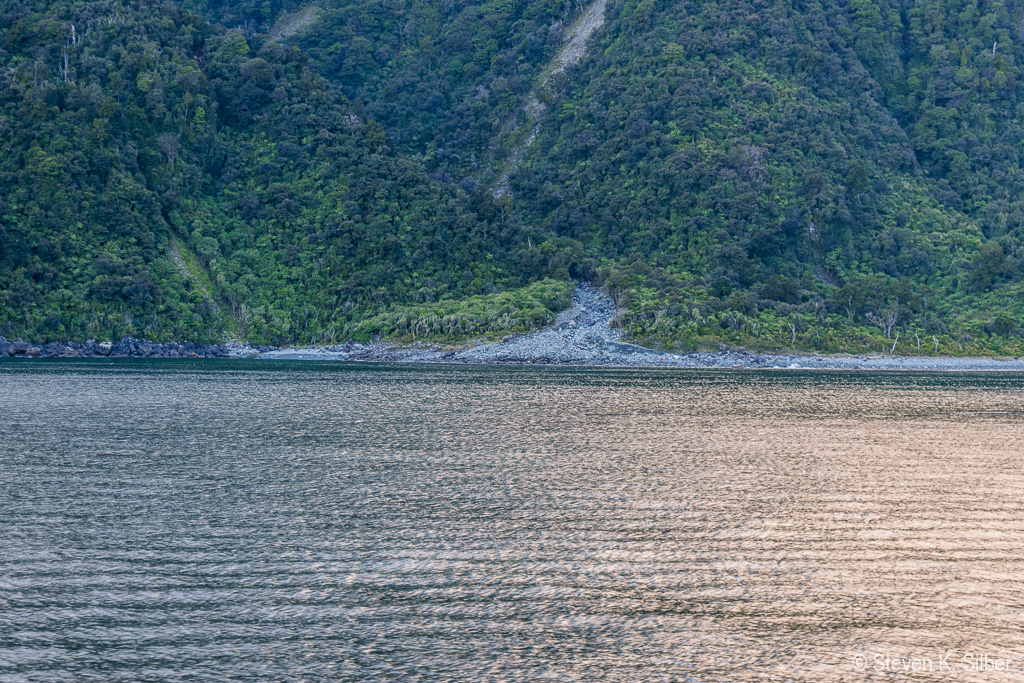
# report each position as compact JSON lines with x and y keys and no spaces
{"x":280,"y":521}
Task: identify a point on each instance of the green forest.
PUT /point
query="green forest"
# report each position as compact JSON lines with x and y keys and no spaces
{"x":829,"y":176}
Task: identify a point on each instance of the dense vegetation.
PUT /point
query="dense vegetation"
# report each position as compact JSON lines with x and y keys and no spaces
{"x":825,"y":175}
{"x":484,"y":316}
{"x":748,"y":179}
{"x":175,"y":179}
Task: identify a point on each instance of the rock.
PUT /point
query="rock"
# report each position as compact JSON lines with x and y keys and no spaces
{"x":20,"y":346}
{"x":104,"y":348}
{"x":34,"y":351}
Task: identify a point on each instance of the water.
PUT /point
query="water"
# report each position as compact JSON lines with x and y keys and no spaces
{"x":281,"y":521}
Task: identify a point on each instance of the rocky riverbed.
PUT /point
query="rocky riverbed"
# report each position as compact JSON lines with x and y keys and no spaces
{"x":581,"y":335}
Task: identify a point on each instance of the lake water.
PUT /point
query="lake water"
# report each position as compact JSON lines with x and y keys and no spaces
{"x":182,"y":520}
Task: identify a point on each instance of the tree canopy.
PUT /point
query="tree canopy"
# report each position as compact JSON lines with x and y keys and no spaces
{"x":818,"y":175}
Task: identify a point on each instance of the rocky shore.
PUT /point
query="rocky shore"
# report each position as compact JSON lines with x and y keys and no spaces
{"x":128,"y":347}
{"x":580,"y":336}
{"x":583,"y":336}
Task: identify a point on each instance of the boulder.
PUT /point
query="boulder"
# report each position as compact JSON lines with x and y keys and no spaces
{"x":104,"y":348}
{"x":34,"y":351}
{"x":20,"y":346}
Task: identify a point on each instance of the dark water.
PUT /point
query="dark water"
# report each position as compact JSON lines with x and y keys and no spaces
{"x":283,"y":521}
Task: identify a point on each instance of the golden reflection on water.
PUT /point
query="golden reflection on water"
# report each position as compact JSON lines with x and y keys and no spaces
{"x":310,"y":520}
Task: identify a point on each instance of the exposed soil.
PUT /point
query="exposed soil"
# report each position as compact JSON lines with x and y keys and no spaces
{"x":571,"y":52}
{"x":294,"y":23}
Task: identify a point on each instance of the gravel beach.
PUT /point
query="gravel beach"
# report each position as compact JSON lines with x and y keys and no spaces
{"x":582,"y":335}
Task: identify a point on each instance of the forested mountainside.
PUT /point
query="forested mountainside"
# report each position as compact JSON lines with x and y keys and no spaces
{"x":822,"y":175}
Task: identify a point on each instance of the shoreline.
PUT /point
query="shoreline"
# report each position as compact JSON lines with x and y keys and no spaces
{"x":581,"y":336}
{"x":128,"y":347}
{"x":630,"y":356}
{"x":381,"y":353}
{"x":739,"y":360}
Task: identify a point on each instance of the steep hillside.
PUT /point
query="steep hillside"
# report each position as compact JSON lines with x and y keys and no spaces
{"x":128,"y":129}
{"x":825,"y":175}
{"x":443,"y":77}
{"x":742,"y":175}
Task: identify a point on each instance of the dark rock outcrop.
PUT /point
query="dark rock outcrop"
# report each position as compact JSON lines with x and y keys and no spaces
{"x":127,"y":347}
